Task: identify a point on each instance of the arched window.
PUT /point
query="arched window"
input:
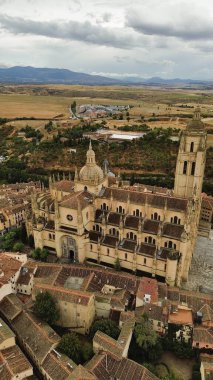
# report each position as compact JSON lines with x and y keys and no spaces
{"x":126,"y":256}
{"x":121,"y":210}
{"x":170,"y":244}
{"x":91,"y":247}
{"x":184,"y":167}
{"x":155,"y":216}
{"x":104,"y":206}
{"x":192,"y":147}
{"x":114,"y":232}
{"x":193,"y":168}
{"x":175,"y":220}
{"x":137,"y":212}
{"x":97,"y":228}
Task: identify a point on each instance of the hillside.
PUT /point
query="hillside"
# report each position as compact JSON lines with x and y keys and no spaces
{"x":18,"y":74}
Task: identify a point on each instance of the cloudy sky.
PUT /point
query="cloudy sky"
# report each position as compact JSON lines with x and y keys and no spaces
{"x":120,"y":38}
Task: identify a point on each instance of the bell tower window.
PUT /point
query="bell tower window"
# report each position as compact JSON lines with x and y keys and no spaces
{"x":184,"y":167}
{"x":192,"y":147}
{"x":193,"y":168}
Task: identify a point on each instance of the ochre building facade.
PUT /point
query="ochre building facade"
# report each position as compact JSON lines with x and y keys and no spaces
{"x":99,"y":219}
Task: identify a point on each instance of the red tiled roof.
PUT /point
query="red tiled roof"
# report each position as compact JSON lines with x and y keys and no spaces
{"x":148,"y":286}
{"x":8,"y":267}
{"x":64,"y":185}
{"x":65,"y":294}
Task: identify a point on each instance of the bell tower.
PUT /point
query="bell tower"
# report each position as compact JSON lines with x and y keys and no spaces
{"x":191,"y":159}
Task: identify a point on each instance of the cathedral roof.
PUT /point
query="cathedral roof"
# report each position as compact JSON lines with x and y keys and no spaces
{"x":74,"y":200}
{"x":140,"y":198}
{"x":64,"y":185}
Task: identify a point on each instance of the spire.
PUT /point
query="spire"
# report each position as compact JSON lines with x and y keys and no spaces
{"x":56,"y":208}
{"x":90,"y":155}
{"x":50,"y":182}
{"x":76,"y":174}
{"x":80,"y":217}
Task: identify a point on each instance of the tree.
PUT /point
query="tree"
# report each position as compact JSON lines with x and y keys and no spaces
{"x":86,"y":351}
{"x":106,"y":326}
{"x":117,"y":265}
{"x":146,"y":337}
{"x":36,"y":253}
{"x":43,"y":254}
{"x":23,"y":234}
{"x":45,"y":308}
{"x":70,"y":345}
{"x":40,"y":254}
{"x":9,"y":240}
{"x":31,"y":241}
{"x":18,"y":247}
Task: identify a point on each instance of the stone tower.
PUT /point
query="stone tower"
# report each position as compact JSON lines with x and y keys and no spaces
{"x":191,"y":159}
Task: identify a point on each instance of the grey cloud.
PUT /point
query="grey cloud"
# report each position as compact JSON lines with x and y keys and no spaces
{"x":107,"y":17}
{"x":186,"y":27}
{"x":120,"y":59}
{"x":71,"y":30}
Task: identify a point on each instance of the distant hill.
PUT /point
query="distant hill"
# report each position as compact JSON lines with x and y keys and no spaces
{"x":31,"y":75}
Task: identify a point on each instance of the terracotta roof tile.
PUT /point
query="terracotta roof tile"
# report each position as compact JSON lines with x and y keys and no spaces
{"x":8,"y":268}
{"x":65,"y":294}
{"x":58,"y":368}
{"x":64,"y":185}
{"x":203,"y":335}
{"x":105,"y":366}
{"x":148,"y":286}
{"x":16,"y":360}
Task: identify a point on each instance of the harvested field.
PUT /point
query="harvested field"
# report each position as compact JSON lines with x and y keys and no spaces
{"x":12,"y":106}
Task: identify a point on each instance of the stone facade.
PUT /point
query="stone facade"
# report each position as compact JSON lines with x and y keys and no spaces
{"x":99,"y":220}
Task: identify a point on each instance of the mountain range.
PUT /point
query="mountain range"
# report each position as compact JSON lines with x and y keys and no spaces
{"x":32,"y":75}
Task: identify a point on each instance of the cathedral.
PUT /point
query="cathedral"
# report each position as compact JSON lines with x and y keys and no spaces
{"x":99,"y":219}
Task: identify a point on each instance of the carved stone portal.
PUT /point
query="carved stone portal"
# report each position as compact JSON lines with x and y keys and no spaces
{"x":69,"y":249}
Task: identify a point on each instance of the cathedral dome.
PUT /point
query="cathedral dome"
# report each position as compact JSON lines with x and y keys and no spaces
{"x":91,"y":172}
